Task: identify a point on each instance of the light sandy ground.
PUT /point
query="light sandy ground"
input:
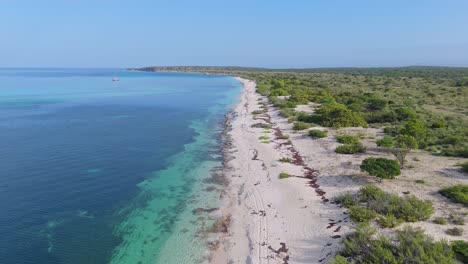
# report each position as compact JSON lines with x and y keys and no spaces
{"x":266,"y":211}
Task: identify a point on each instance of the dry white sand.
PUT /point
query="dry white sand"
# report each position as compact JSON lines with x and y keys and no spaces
{"x":276,"y":220}
{"x":267,"y":211}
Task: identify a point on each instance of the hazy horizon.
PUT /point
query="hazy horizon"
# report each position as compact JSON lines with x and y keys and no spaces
{"x":273,"y":34}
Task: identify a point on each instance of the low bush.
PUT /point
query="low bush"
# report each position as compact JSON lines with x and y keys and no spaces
{"x":338,"y":115}
{"x":386,"y":142}
{"x":347,"y":199}
{"x":257,"y":112}
{"x":285,"y":160}
{"x":389,"y":221}
{"x":263,"y":138}
{"x":283,"y":175}
{"x":361,"y":214}
{"x":460,"y":248}
{"x":420,"y":181}
{"x":347,"y":139}
{"x":381,"y":167}
{"x":394,"y":208}
{"x":284,"y":137}
{"x":315,"y":133}
{"x":301,"y":126}
{"x":457,"y":193}
{"x":351,"y":148}
{"x":412,"y":246}
{"x":440,"y":221}
{"x":456,"y":231}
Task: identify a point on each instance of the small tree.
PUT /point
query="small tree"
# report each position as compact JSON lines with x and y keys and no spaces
{"x":403,"y":145}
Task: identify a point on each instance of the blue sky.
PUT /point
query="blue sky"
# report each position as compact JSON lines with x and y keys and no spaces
{"x":295,"y":33}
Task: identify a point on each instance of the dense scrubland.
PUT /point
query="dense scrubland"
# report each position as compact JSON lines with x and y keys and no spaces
{"x":423,"y":108}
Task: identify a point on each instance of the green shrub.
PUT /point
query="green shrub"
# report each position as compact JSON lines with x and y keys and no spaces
{"x":351,"y":148}
{"x":406,"y":113}
{"x":263,"y":138}
{"x":301,"y":126}
{"x":361,"y":214}
{"x":440,"y":221}
{"x":381,"y":167}
{"x":257,"y":112}
{"x":386,"y":142}
{"x":389,"y":205}
{"x":460,"y":248}
{"x":347,"y":139}
{"x":347,"y":199}
{"x":315,"y":133}
{"x":338,"y":115}
{"x":284,"y":137}
{"x":407,"y":208}
{"x":418,"y":130}
{"x":376,"y":103}
{"x":412,"y":246}
{"x":370,"y":192}
{"x":464,"y":167}
{"x":456,"y":231}
{"x":338,"y":260}
{"x":457,"y":193}
{"x":420,"y":181}
{"x":283,"y":175}
{"x":285,"y":160}
{"x":389,"y":221}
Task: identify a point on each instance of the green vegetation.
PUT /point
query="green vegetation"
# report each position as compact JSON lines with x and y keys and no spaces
{"x":440,"y":221}
{"x":389,"y":221}
{"x":391,"y":209}
{"x":386,"y":142}
{"x":347,"y":139}
{"x":352,"y":144}
{"x":315,"y":133}
{"x":301,"y":126}
{"x":411,"y":246}
{"x":420,"y":181}
{"x":285,"y":160}
{"x":284,"y":175}
{"x":257,"y":112}
{"x":428,"y":103}
{"x":263,"y":138}
{"x":381,"y":167}
{"x":457,"y":193}
{"x":350,"y":148}
{"x":338,"y":115}
{"x":461,"y":250}
{"x":361,"y":214}
{"x":284,"y":137}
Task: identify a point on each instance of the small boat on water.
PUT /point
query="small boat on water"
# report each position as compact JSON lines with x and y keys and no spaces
{"x":115,"y":79}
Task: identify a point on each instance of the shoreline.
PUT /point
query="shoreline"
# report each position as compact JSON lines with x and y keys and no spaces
{"x":271,"y":220}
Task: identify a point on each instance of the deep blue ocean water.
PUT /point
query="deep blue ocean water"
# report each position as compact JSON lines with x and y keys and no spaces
{"x":95,"y":171}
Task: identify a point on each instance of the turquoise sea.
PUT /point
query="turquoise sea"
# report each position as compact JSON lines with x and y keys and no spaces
{"x":96,"y":171}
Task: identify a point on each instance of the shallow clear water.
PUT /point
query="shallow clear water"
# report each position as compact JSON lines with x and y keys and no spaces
{"x":95,"y":171}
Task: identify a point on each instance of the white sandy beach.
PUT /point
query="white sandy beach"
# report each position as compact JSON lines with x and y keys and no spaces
{"x":272,"y":220}
{"x":292,"y":220}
